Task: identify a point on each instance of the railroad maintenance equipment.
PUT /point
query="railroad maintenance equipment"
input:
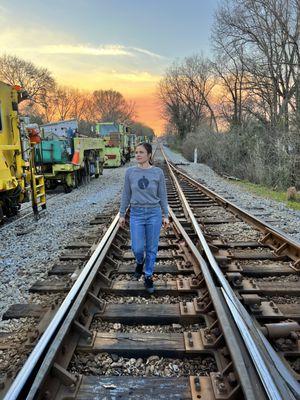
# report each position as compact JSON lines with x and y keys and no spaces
{"x":117,"y":143}
{"x":132,"y":144}
{"x":144,"y":139}
{"x":65,"y":157}
{"x":18,"y":178}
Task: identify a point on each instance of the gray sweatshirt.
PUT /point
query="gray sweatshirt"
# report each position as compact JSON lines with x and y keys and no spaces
{"x":144,"y":187}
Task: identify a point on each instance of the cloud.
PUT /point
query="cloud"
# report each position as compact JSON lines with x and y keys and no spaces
{"x":82,"y":49}
{"x":104,"y":50}
{"x":147,"y":52}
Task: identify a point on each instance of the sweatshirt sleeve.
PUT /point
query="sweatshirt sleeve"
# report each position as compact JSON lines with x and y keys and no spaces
{"x":126,"y":195}
{"x":162,"y":192}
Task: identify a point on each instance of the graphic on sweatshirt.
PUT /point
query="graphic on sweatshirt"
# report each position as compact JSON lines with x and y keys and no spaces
{"x":143,"y":183}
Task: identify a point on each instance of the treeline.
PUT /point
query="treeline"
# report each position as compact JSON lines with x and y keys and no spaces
{"x":242,"y":107}
{"x":49,"y":102}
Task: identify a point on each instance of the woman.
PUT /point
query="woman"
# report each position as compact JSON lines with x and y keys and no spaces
{"x":145,"y":191}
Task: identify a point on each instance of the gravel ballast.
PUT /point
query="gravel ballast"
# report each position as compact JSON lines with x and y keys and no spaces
{"x":26,"y":258}
{"x":284,"y":218}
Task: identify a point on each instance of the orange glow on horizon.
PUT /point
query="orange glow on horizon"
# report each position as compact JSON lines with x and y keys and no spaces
{"x":148,"y":113}
{"x":141,"y":93}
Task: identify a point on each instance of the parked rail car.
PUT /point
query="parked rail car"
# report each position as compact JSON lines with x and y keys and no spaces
{"x":18,"y":178}
{"x":143,"y":139}
{"x":67,"y":159}
{"x":117,"y":142}
{"x":132,"y":144}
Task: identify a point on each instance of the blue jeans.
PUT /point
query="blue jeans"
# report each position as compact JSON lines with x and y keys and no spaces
{"x":145,"y":225}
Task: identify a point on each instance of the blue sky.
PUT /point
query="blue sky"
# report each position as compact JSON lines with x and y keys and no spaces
{"x":90,"y":44}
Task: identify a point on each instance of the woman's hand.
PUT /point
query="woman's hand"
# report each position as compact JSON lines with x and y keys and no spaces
{"x":122,"y":222}
{"x":165,"y":222}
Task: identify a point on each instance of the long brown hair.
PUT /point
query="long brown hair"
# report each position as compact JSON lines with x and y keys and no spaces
{"x":148,"y":148}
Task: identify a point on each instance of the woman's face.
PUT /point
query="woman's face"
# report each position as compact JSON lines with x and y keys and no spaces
{"x":141,"y":155}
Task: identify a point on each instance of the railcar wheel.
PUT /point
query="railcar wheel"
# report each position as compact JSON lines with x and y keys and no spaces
{"x":67,"y":189}
{"x":76,"y":179}
{"x":50,"y":184}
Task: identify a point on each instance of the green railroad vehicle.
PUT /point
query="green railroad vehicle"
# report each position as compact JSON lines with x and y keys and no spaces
{"x":143,"y":139}
{"x":66,"y":158}
{"x":117,"y":143}
{"x":132,"y":144}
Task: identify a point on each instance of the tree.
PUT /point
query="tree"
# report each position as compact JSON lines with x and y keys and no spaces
{"x":37,"y":81}
{"x":140,"y":129}
{"x":185,"y":94}
{"x":110,"y":105}
{"x":268,"y":33}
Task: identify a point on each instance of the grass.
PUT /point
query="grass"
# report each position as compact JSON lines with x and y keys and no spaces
{"x":268,"y":193}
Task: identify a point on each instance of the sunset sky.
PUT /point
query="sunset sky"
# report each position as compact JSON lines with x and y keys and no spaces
{"x":125,"y":45}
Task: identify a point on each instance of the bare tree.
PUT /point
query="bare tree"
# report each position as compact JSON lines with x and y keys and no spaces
{"x":185,"y":94}
{"x":268,"y":33}
{"x":229,"y":68}
{"x":110,"y":105}
{"x":35,"y":80}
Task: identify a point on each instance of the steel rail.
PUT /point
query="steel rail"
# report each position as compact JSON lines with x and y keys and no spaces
{"x":259,"y":337}
{"x":71,"y":314}
{"x":250,"y":382}
{"x":262,"y":358}
{"x":37,"y":356}
{"x":257,"y":222}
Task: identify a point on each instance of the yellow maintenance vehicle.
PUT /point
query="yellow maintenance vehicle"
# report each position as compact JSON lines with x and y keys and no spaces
{"x":67,"y":158}
{"x":19,"y":181}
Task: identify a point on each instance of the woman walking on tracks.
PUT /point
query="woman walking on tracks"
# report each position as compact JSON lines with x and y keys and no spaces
{"x":145,"y":192}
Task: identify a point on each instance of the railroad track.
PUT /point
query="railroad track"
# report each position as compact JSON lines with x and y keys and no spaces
{"x":195,"y":338}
